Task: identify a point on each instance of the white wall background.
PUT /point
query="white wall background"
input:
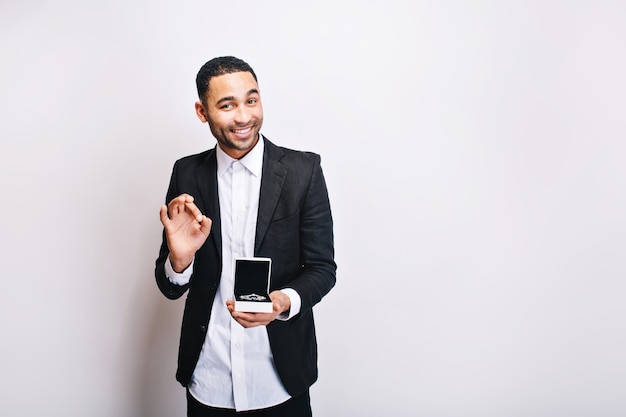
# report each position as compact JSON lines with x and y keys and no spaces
{"x":475,"y":156}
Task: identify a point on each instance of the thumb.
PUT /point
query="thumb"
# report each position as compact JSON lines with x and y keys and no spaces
{"x":163,"y":215}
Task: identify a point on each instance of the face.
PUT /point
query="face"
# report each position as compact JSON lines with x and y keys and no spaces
{"x":233,"y":109}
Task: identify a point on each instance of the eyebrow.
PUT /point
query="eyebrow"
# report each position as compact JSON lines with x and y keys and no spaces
{"x":231,"y":98}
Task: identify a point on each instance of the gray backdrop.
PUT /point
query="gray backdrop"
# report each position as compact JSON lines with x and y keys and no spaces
{"x":474,"y":153}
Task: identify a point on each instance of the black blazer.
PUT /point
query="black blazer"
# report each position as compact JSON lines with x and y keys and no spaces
{"x":294,"y":228}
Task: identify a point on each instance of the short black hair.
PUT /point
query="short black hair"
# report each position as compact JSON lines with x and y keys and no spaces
{"x":219,"y":66}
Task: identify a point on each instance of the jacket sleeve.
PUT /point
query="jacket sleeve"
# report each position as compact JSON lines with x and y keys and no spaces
{"x":318,"y":273}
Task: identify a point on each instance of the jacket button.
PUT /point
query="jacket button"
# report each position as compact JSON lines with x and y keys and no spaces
{"x":203,"y":328}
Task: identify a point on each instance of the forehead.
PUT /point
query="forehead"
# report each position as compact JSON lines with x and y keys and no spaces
{"x":235,"y":85}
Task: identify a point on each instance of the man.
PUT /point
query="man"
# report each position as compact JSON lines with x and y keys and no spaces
{"x":245,"y":197}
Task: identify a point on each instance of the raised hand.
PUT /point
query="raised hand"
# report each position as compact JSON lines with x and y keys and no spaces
{"x":186,"y":230}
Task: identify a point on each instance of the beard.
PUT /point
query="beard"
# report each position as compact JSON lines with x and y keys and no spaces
{"x":230,"y":137}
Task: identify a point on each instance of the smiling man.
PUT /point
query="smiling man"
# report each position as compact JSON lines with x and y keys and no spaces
{"x":246,"y":197}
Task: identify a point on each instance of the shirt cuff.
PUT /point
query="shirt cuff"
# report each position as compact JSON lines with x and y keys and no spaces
{"x":296,"y":303}
{"x":175,"y":277}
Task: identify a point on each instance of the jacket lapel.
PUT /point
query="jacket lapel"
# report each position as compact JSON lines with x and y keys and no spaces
{"x":206,"y":176}
{"x":272,"y":180}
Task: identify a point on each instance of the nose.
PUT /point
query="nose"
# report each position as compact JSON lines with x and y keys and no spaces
{"x":242,"y":115}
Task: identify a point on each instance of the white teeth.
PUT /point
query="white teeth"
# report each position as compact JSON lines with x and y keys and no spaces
{"x":242,"y":131}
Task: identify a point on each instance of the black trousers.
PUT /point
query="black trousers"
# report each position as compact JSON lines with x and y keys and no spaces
{"x":294,"y":407}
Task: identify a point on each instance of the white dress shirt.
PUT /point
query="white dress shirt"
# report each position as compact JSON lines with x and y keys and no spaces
{"x":236,"y":368}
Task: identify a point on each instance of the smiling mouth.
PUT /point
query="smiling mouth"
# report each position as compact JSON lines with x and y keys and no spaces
{"x":242,"y":131}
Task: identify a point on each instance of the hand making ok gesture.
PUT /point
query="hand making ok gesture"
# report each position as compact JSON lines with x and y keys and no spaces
{"x":186,"y":229}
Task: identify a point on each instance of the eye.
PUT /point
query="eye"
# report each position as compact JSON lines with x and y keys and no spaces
{"x":227,"y":106}
{"x":252,"y":101}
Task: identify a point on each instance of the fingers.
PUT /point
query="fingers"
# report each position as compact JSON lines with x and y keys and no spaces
{"x":248,"y":320}
{"x":184,"y":203}
{"x":253,"y":319}
{"x":177,"y":205}
{"x":192,"y":209}
{"x":205,"y":225}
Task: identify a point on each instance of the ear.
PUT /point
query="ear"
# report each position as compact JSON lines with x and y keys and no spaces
{"x":201,"y":112}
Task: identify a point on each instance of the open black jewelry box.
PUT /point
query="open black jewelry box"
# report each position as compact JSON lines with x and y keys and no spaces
{"x":252,"y":285}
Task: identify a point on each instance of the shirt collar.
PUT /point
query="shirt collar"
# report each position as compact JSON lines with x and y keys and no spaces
{"x":253,"y":161}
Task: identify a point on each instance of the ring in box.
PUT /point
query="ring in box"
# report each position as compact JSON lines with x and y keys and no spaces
{"x":252,"y":285}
